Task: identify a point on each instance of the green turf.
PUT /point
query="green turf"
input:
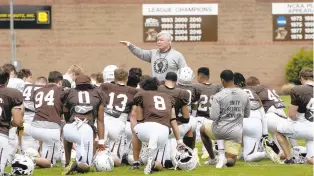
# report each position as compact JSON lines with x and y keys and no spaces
{"x":263,"y":168}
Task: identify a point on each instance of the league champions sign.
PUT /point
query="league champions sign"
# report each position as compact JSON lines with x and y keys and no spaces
{"x":293,"y":21}
{"x":186,"y":22}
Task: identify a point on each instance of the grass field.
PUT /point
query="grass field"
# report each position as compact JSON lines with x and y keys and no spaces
{"x":263,"y":168}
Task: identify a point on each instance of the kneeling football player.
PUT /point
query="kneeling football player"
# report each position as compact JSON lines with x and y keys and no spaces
{"x":152,"y":116}
{"x":85,"y":103}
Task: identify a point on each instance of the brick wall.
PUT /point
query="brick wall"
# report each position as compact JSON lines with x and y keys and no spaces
{"x":86,"y":32}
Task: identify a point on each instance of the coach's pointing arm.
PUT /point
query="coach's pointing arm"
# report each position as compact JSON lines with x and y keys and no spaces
{"x":142,"y":54}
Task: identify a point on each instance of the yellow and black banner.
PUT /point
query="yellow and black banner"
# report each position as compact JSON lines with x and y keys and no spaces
{"x":26,"y":17}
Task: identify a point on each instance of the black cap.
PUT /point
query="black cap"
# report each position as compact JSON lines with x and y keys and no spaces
{"x":172,"y":76}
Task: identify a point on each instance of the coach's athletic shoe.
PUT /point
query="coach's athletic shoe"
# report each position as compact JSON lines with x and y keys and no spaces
{"x":222,"y":161}
{"x":211,"y":161}
{"x":150,"y":165}
{"x":71,"y":167}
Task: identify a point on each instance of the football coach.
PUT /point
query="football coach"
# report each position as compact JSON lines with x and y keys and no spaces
{"x":163,"y":60}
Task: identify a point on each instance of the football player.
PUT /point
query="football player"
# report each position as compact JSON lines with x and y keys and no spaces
{"x":72,"y":73}
{"x":117,"y":112}
{"x":187,"y":125}
{"x":273,"y":105}
{"x":97,"y":79}
{"x":11,"y":114}
{"x":46,"y":123}
{"x":255,"y":127}
{"x":41,"y":81}
{"x":108,"y":73}
{"x":151,"y":119}
{"x":15,"y":83}
{"x":228,"y":109}
{"x":84,"y":103}
{"x":25,"y":75}
{"x":207,"y":90}
{"x":29,"y":114}
{"x":185,"y":78}
{"x":301,"y":114}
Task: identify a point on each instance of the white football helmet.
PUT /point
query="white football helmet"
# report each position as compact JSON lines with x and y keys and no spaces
{"x":108,"y":73}
{"x":185,"y":159}
{"x":299,"y":153}
{"x":103,"y":161}
{"x":31,"y":152}
{"x":185,"y":76}
{"x":22,"y":165}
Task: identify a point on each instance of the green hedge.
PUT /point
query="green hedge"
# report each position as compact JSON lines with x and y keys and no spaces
{"x":302,"y":59}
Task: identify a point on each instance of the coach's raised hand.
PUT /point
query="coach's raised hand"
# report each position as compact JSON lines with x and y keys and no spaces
{"x":127,"y":43}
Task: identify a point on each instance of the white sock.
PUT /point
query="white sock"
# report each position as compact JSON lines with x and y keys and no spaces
{"x":221,"y":147}
{"x":256,"y":156}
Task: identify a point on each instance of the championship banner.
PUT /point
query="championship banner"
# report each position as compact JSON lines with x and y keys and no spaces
{"x":26,"y":17}
{"x":186,"y":22}
{"x":293,"y":21}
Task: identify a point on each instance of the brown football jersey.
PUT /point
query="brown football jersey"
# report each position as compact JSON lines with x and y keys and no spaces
{"x":207,"y":93}
{"x":194,"y":92}
{"x":302,"y":96}
{"x":48,"y":105}
{"x":268,"y":97}
{"x":28,"y":94}
{"x":156,"y":106}
{"x":84,"y":103}
{"x":9,"y":98}
{"x":255,"y":101}
{"x":180,"y":96}
{"x":120,"y":96}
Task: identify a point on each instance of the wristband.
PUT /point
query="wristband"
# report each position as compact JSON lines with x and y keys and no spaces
{"x":101,"y":142}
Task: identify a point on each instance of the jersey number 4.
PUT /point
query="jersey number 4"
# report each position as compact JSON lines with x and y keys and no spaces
{"x":272,"y":95}
{"x":41,"y":98}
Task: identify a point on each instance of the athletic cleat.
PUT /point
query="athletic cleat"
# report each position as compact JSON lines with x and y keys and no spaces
{"x":149,"y":167}
{"x":290,"y":161}
{"x":135,"y":166}
{"x":270,"y":153}
{"x":222,"y":161}
{"x":211,"y":161}
{"x":71,"y":168}
{"x":125,"y":159}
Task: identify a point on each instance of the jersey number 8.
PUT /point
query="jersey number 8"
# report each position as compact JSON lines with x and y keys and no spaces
{"x":159,"y":103}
